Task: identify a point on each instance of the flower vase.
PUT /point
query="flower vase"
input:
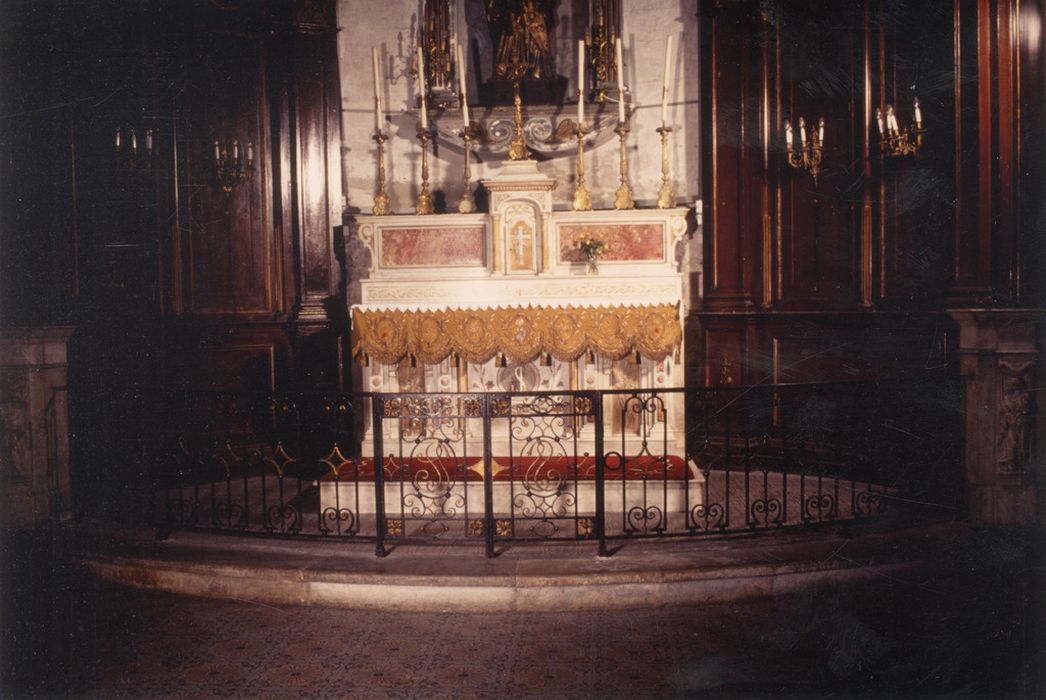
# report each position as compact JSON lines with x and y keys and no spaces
{"x":593,"y":266}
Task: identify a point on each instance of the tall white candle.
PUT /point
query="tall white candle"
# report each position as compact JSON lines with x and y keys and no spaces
{"x":664,"y":85}
{"x":134,"y":142}
{"x":891,"y":120}
{"x":879,"y":120}
{"x":820,"y":132}
{"x":118,"y":139}
{"x":788,"y":134}
{"x":580,"y":82}
{"x":802,"y":132}
{"x":377,"y":89}
{"x":421,"y":89}
{"x":462,"y":82}
{"x":918,"y":115}
{"x":620,"y":82}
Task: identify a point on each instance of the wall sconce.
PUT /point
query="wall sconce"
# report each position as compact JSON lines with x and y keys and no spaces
{"x":894,"y":142}
{"x":808,"y":156}
{"x":127,"y":149}
{"x":229,"y":167}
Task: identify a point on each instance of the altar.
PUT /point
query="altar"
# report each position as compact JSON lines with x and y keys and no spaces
{"x":508,"y":301}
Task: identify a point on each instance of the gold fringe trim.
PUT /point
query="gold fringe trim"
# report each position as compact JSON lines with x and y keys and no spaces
{"x":521,"y":333}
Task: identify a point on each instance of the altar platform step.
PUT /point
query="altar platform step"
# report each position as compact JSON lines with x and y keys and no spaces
{"x":535,"y":577}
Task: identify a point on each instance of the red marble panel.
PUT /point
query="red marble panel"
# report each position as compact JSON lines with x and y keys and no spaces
{"x":433,"y":247}
{"x":625,"y":242}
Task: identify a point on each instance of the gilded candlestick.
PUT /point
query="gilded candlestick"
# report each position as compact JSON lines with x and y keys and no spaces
{"x":517,"y":149}
{"x":665,"y":198}
{"x":467,"y":205}
{"x":582,"y":202}
{"x":423,"y":205}
{"x":623,"y":196}
{"x":381,"y":199}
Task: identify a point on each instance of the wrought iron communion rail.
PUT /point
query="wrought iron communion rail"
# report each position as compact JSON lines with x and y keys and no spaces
{"x":495,"y":468}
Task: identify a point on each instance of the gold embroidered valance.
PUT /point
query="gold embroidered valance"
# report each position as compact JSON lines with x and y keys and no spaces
{"x":521,"y":333}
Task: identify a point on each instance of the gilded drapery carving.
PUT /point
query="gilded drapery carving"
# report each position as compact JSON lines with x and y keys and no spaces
{"x":521,"y":333}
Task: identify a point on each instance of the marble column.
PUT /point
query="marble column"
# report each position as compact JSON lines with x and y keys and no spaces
{"x":998,"y":357}
{"x":34,"y":426}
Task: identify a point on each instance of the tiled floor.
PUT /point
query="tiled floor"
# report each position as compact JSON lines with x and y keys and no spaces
{"x":66,"y":636}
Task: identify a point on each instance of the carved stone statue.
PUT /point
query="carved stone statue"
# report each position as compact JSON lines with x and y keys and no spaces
{"x":1013,"y":425}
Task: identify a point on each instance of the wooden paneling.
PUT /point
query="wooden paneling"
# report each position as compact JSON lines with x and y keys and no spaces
{"x":852,"y":272}
{"x":230,"y":252}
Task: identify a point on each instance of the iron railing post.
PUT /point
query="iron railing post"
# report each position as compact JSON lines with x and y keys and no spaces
{"x":601,"y":511}
{"x":377,"y":406}
{"x":488,"y":477}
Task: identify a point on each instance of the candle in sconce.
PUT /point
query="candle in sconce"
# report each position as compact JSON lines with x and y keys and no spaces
{"x":620,"y":82}
{"x":149,"y":140}
{"x":377,"y":89}
{"x":879,"y":120}
{"x":421,"y":89}
{"x":134,"y":142}
{"x":664,"y":84}
{"x":788,"y":134}
{"x":802,"y":132}
{"x":462,"y":83}
{"x":217,"y":151}
{"x":118,"y":139}
{"x":918,"y":115}
{"x":891,"y":120}
{"x":236,"y":151}
{"x":580,"y":82}
{"x":820,"y":132}
{"x":250,"y":153}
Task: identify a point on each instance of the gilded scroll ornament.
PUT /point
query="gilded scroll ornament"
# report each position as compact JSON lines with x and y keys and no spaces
{"x":522,"y":334}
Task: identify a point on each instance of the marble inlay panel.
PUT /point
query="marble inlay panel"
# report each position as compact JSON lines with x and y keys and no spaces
{"x":433,"y":247}
{"x":624,"y":242}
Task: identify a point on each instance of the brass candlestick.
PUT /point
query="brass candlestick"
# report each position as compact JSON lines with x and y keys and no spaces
{"x":423,"y":205}
{"x":665,"y":198}
{"x":808,"y":157}
{"x":895,"y":142}
{"x":582,"y":202}
{"x":381,"y":199}
{"x":623,"y":196}
{"x":467,"y":205}
{"x":517,"y":149}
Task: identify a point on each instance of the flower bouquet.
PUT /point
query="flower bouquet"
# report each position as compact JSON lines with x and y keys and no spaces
{"x":592,"y":249}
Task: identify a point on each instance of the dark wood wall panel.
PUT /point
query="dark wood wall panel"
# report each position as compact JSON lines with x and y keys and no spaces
{"x":231,"y":251}
{"x":878,"y":247}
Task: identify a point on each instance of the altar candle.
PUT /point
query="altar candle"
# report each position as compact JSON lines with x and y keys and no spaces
{"x":377,"y":88}
{"x":802,"y":132}
{"x":580,"y":82}
{"x":820,"y":132}
{"x":462,"y":82}
{"x":879,"y":120}
{"x":918,"y":115}
{"x":620,"y":83}
{"x":421,"y":89}
{"x":788,"y":134}
{"x":664,"y":86}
